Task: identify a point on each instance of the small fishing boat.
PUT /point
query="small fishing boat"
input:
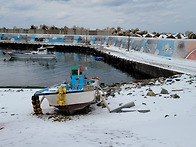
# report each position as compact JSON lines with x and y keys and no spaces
{"x":41,"y":52}
{"x":69,"y":96}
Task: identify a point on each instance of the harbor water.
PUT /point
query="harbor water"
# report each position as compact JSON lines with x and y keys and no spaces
{"x":47,"y":72}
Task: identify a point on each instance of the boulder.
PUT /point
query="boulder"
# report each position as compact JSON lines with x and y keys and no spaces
{"x":142,"y":32}
{"x":134,"y":31}
{"x":192,"y":36}
{"x":164,"y":91}
{"x":187,"y":33}
{"x":156,"y":35}
{"x":178,"y":36}
{"x":44,"y":27}
{"x":121,"y":33}
{"x":135,"y":35}
{"x":144,"y":82}
{"x":148,"y":36}
{"x":151,"y":93}
{"x":171,"y":37}
{"x":175,"y":96}
{"x":33,"y":27}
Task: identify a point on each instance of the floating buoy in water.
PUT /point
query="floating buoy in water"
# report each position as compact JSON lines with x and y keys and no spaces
{"x":99,"y":58}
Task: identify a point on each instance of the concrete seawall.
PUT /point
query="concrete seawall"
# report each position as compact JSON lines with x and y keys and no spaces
{"x":181,"y":49}
{"x":175,"y":48}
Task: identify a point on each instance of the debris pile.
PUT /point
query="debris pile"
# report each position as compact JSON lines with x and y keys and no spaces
{"x":140,"y":90}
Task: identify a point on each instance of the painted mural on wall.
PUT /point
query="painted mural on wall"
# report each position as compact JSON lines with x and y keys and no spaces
{"x":81,"y":39}
{"x":170,"y":48}
{"x":6,"y":37}
{"x":191,"y":50}
{"x":42,"y":38}
{"x":125,"y":42}
{"x":59,"y":38}
{"x":99,"y":40}
{"x":165,"y":48}
{"x":69,"y":39}
{"x":192,"y":55}
{"x":137,"y":44}
{"x":111,"y":41}
{"x":91,"y":39}
{"x":118,"y":42}
{"x":185,"y":49}
{"x":180,"y":49}
{"x":151,"y":46}
{"x":24,"y":38}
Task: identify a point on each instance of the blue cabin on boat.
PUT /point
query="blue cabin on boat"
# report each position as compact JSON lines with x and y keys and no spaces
{"x":77,"y":80}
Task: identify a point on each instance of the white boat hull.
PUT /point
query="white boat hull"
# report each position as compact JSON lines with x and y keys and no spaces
{"x":38,"y":56}
{"x":73,"y":101}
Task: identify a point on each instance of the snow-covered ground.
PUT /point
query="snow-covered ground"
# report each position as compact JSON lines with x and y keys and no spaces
{"x":170,"y":122}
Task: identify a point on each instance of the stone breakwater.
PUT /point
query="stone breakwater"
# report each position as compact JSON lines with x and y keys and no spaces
{"x":45,"y":29}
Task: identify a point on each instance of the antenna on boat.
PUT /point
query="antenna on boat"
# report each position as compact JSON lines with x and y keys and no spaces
{"x":86,"y":38}
{"x":86,"y":73}
{"x":78,"y":72}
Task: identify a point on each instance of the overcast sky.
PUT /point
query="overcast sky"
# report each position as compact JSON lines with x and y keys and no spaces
{"x":151,"y":15}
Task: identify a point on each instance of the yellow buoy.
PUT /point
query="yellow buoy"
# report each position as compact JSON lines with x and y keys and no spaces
{"x":36,"y":104}
{"x":61,"y":95}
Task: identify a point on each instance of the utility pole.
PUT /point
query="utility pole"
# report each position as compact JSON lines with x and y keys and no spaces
{"x":128,"y":42}
{"x":86,"y":38}
{"x":26,"y":35}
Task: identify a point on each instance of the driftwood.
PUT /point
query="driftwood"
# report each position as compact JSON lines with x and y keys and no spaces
{"x":103,"y":92}
{"x":128,"y":105}
{"x":177,"y":89}
{"x":103,"y":100}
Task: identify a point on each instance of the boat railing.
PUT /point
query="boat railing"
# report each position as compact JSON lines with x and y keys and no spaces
{"x":75,"y":86}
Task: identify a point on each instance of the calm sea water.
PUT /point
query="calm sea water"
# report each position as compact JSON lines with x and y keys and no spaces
{"x":20,"y":72}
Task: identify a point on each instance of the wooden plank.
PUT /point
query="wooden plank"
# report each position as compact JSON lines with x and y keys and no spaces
{"x":103,"y":92}
{"x":104,"y":102}
{"x":177,"y":89}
